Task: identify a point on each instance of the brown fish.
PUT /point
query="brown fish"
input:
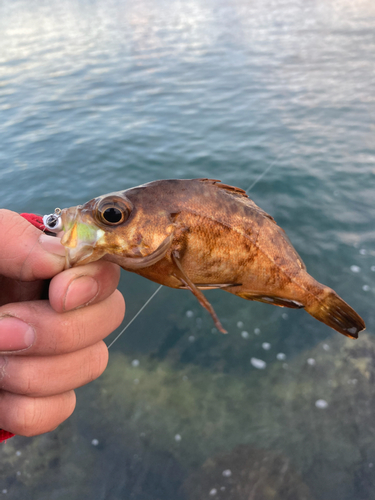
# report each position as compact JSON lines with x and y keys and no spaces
{"x":201,"y":234}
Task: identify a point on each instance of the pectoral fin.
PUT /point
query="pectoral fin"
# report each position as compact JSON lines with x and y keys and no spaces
{"x":134,"y":263}
{"x":186,"y":281}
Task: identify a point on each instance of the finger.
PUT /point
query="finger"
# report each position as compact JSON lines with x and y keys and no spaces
{"x":27,"y":416}
{"x":27,"y":254}
{"x":46,"y":332}
{"x":18,"y":291}
{"x":48,"y":375}
{"x":83,"y":285}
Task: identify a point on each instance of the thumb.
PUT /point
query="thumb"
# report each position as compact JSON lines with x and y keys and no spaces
{"x":26,"y":254}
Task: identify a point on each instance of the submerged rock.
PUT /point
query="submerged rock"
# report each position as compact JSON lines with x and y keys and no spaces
{"x":319,"y":414}
{"x":247,"y":473}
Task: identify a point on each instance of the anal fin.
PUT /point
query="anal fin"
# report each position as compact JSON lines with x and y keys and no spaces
{"x":186,"y":281}
{"x":276,"y":301}
{"x":213,"y":286}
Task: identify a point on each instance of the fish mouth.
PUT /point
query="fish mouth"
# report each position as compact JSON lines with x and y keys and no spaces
{"x":80,"y":237}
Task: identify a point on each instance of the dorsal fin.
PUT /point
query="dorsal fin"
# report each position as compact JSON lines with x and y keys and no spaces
{"x":231,"y":189}
{"x":239,"y":192}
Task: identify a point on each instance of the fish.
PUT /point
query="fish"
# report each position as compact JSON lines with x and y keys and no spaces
{"x":200,"y":234}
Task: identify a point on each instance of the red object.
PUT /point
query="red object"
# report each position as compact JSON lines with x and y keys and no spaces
{"x":37,"y":221}
{"x":4,"y":435}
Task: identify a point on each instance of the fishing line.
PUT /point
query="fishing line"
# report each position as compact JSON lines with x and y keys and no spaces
{"x":134,"y":317}
{"x":263,"y":173}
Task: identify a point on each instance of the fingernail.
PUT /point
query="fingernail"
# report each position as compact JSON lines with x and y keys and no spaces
{"x":52,"y":244}
{"x":15,"y":334}
{"x":80,"y":292}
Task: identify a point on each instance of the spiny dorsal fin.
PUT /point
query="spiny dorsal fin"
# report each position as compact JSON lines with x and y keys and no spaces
{"x":231,"y":189}
{"x":240,"y":192}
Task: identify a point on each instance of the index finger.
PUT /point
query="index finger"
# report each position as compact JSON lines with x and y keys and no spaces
{"x":60,"y":333}
{"x":24,"y":249}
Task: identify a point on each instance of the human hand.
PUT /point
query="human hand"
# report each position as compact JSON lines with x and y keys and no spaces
{"x":49,"y":347}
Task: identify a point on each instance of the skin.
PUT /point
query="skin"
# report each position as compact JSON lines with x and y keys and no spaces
{"x":38,"y":376}
{"x":199,"y":234}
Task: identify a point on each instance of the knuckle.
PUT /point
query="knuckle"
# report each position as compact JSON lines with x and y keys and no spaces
{"x":85,"y":326}
{"x":32,"y":380}
{"x":97,"y":361}
{"x":28,"y":417}
{"x":95,"y":364}
{"x":73,"y":334}
{"x":28,"y":378}
{"x":33,"y":416}
{"x":8,"y":218}
{"x":4,"y":361}
{"x":18,"y":375}
{"x":119,"y":308}
{"x":108,"y":274}
{"x":17,"y":230}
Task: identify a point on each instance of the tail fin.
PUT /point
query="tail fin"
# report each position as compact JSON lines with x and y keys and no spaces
{"x":336,"y":313}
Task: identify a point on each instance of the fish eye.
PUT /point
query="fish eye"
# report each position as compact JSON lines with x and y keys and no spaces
{"x":112,"y":212}
{"x":112,"y":215}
